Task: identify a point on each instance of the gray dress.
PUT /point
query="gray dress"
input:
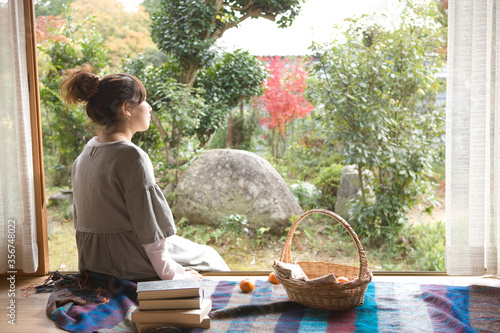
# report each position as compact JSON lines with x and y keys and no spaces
{"x":118,"y":207}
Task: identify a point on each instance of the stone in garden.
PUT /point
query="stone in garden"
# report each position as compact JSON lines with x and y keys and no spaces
{"x":349,"y":189}
{"x":60,"y":197}
{"x":223,"y":182}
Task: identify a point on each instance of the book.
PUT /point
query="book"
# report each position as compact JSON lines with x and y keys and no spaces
{"x":172,"y":303}
{"x":189,"y":316}
{"x":143,"y":327}
{"x":164,"y":289}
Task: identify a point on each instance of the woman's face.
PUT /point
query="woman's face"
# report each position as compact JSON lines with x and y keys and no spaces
{"x":140,"y":117}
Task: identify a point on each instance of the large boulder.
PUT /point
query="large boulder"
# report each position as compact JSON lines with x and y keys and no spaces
{"x":222,"y":182}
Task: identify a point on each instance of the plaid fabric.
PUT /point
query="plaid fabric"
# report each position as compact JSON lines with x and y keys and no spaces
{"x":91,"y":302}
{"x":88,"y":303}
{"x":388,"y":307}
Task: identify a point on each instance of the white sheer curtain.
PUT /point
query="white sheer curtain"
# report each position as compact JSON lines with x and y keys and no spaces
{"x":17,"y":200}
{"x":473,"y":138}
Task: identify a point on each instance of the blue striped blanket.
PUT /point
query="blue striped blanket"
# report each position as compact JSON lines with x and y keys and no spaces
{"x":101,"y":303}
{"x":388,"y":307}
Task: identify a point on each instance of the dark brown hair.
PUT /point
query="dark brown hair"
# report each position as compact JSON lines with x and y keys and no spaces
{"x":105,"y":96}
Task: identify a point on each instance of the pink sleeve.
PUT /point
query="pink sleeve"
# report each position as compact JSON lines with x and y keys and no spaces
{"x":164,"y":265}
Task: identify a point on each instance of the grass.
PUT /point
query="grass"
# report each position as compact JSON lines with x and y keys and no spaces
{"x":62,"y":248}
{"x":318,"y":238}
{"x":62,"y":244}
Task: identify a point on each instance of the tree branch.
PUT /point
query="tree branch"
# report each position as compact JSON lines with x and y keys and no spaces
{"x":218,"y":6}
{"x":159,"y":126}
{"x":252,"y":13}
{"x":163,"y":134}
{"x":248,"y":5}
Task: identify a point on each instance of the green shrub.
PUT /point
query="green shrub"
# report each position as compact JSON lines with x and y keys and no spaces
{"x":306,"y":194}
{"x":236,"y":224}
{"x":328,"y":181}
{"x":379,"y":87}
{"x":428,"y":246}
{"x":420,"y":247}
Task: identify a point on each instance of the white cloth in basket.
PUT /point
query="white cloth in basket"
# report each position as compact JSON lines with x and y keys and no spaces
{"x":292,"y":270}
{"x":330,"y":278}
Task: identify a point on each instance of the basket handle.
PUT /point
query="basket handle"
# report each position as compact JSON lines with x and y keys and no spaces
{"x":286,"y":255}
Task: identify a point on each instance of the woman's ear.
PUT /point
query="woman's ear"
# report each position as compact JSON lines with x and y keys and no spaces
{"x":125,"y":110}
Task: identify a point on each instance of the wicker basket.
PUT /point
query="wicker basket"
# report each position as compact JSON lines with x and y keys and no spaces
{"x":327,"y":296}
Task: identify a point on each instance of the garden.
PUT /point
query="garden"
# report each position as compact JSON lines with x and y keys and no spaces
{"x":369,"y":98}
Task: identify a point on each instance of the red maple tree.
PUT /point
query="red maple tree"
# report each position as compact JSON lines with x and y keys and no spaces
{"x":47,"y":29}
{"x":283,"y":97}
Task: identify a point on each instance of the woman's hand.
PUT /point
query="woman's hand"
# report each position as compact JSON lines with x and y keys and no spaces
{"x":190,"y":274}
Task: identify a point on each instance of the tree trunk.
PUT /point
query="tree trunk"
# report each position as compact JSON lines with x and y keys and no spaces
{"x":51,"y":134}
{"x":189,"y":76}
{"x":283,"y":138}
{"x":238,"y":138}
{"x":234,"y":134}
{"x":163,"y":134}
{"x":230,"y":131}
{"x":273,"y":146}
{"x":171,"y":159}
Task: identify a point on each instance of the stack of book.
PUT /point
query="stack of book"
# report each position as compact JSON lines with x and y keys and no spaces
{"x":178,"y":303}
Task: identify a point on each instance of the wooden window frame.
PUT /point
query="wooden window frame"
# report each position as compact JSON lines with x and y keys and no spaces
{"x":36,"y":139}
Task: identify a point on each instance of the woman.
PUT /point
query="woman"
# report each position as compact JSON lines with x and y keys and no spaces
{"x":124,"y":226}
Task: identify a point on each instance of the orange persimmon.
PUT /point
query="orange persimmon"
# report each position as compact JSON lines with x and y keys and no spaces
{"x":247,"y":285}
{"x":273,"y":279}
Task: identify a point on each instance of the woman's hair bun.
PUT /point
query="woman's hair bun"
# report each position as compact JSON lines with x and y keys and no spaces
{"x":79,"y":85}
{"x":104,"y":97}
{"x":92,"y":85}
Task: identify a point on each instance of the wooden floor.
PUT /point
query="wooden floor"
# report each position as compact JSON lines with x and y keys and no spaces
{"x":30,"y":314}
{"x":29,"y":311}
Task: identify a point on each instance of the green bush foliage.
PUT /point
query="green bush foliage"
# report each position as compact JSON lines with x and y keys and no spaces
{"x":328,"y":181}
{"x":66,"y":129}
{"x":378,"y":90}
{"x":228,"y":82}
{"x":188,"y":29}
{"x":306,"y":194}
